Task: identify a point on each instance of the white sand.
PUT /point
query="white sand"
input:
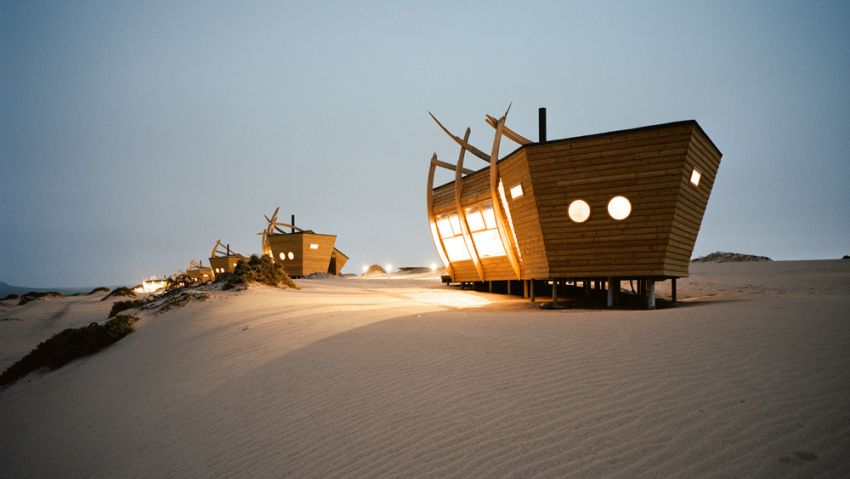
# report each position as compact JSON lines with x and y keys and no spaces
{"x":389,"y":378}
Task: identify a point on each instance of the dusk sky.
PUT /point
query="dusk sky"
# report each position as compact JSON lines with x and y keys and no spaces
{"x":134,"y":135}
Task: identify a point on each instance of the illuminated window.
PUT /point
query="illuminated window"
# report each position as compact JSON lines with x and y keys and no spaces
{"x":474,"y":219}
{"x":516,"y":192}
{"x":291,"y":256}
{"x":314,"y":246}
{"x":482,"y":223}
{"x":450,"y":231}
{"x":579,"y":211}
{"x":695,"y":176}
{"x":619,"y":208}
{"x":282,"y":256}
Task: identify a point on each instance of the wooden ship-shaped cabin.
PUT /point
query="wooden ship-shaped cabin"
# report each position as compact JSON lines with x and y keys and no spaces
{"x":223,"y":259}
{"x":301,"y":252}
{"x":198,"y":273}
{"x":595,"y":209}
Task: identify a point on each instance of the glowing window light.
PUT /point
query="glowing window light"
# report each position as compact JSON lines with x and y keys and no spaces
{"x":455,"y":221}
{"x":445,"y":227}
{"x":516,"y":192}
{"x":314,"y":246}
{"x":619,"y":208}
{"x":474,"y":219}
{"x":579,"y":211}
{"x":456,"y":249}
{"x":291,"y":256}
{"x":695,"y":176}
{"x":489,"y":218}
{"x":364,"y":268}
{"x":488,"y":243}
{"x":282,"y":256}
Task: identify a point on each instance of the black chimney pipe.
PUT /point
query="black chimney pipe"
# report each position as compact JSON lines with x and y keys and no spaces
{"x":541,"y":121}
{"x":293,"y":223}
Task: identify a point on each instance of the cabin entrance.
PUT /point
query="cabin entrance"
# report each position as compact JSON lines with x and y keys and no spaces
{"x":332,"y":265}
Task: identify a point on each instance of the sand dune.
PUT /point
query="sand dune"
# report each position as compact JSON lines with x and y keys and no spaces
{"x":390,"y":378}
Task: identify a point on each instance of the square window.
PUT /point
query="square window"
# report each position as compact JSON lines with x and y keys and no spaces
{"x":489,"y":218}
{"x":695,"y":176}
{"x":314,"y":246}
{"x":474,"y":219}
{"x":516,"y":192}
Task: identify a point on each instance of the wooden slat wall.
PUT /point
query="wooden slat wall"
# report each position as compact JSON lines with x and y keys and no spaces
{"x":514,"y":170}
{"x":306,"y":261}
{"x":692,"y":201}
{"x":645,"y":166}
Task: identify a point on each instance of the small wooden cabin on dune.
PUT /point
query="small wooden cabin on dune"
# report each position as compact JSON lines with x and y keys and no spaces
{"x":198,"y":273}
{"x":223,"y":259}
{"x":595,"y":209}
{"x":301,"y":252}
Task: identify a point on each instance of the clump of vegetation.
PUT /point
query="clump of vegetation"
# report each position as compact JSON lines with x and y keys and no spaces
{"x":175,"y":298}
{"x":68,"y":345}
{"x":728,"y":257}
{"x":257,"y":269}
{"x":119,"y":306}
{"x":33,"y":295}
{"x":10,"y":296}
{"x":122,"y":291}
{"x":102,"y":289}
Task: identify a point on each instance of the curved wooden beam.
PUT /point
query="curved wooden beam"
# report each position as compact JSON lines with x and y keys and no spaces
{"x":215,"y":249}
{"x":494,"y":194}
{"x":463,"y":144}
{"x":464,"y":227}
{"x":512,"y":135}
{"x":432,"y":223}
{"x":286,"y":225}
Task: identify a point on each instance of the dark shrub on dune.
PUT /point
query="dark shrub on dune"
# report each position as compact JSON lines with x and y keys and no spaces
{"x":68,"y":345}
{"x":101,"y":289}
{"x":10,"y":296}
{"x":122,"y":291}
{"x":119,"y":306}
{"x":33,"y":295}
{"x":257,"y":269}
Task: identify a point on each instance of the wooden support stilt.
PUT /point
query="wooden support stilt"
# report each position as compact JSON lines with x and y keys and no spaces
{"x":673,"y":288}
{"x":525,"y":289}
{"x":489,"y":286}
{"x":531,"y":291}
{"x":509,"y":287}
{"x":610,"y":300}
{"x":650,"y":294}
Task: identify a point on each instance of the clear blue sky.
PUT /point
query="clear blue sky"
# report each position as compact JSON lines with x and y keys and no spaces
{"x":135,"y":134}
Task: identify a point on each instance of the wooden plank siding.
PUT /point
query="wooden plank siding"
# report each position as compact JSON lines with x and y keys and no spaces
{"x":650,"y":166}
{"x":305,"y":260}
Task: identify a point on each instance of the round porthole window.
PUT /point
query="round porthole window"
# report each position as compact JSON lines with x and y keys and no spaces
{"x":282,"y":256}
{"x":291,"y":256}
{"x":619,"y":208}
{"x":579,"y":211}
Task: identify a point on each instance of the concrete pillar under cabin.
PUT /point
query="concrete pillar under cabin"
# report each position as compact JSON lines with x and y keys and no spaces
{"x":673,"y":289}
{"x":650,"y":294}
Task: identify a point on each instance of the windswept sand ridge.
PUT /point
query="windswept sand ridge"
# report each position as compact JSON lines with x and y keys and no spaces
{"x":376,"y":378}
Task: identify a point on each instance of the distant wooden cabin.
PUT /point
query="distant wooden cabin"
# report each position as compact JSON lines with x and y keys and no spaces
{"x":622,"y":205}
{"x":198,"y":273}
{"x":223,"y":259}
{"x":301,"y":252}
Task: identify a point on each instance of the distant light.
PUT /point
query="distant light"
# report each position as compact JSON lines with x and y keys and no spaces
{"x":619,"y":208}
{"x":516,"y":192}
{"x":433,"y":266}
{"x":695,"y":176}
{"x":365,"y":268}
{"x":579,"y":211}
{"x":388,"y":267}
